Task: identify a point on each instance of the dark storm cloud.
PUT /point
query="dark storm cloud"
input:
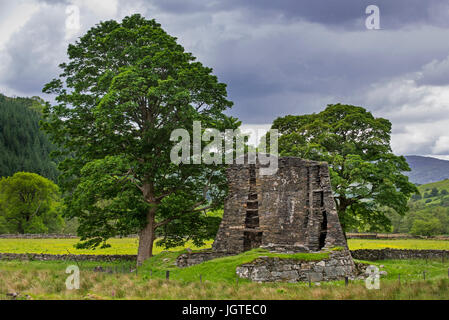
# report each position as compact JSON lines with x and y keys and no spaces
{"x":292,"y":62}
{"x":344,"y":13}
{"x":282,"y":57}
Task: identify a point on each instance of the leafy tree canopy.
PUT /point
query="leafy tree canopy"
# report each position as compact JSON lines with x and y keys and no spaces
{"x":29,"y":203}
{"x":365,"y":175}
{"x":126,"y":87}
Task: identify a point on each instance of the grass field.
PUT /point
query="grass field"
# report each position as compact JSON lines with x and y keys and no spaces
{"x":65,"y":246}
{"x":418,"y":244}
{"x":46,"y":280}
{"x":129,"y":246}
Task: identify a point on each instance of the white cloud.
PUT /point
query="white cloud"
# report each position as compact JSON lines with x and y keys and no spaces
{"x":15,"y":15}
{"x":419,"y":114}
{"x":103,"y":9}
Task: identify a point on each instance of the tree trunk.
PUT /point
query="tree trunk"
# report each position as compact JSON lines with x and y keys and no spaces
{"x":146,"y":238}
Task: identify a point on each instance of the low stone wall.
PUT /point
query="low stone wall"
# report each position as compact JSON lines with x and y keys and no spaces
{"x":189,"y":259}
{"x":272,"y":269}
{"x":66,"y":257}
{"x":192,"y":258}
{"x":37,"y":236}
{"x":382,"y":236}
{"x":48,"y":236}
{"x":393,"y":254}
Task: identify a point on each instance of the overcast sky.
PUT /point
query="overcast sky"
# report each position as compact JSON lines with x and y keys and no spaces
{"x":277,"y":57}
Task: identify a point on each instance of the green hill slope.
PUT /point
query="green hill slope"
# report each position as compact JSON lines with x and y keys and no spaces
{"x":432,"y":194}
{"x":429,"y":211}
{"x":23,"y":146}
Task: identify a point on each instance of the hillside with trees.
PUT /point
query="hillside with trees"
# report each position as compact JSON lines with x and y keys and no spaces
{"x":429,"y":211}
{"x":23,"y":146}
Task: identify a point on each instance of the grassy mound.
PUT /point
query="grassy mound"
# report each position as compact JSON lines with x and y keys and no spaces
{"x":221,"y":269}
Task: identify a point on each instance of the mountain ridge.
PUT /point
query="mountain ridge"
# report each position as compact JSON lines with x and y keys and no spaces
{"x":426,"y":169}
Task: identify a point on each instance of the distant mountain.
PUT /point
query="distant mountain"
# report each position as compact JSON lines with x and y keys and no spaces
{"x":427,"y":169}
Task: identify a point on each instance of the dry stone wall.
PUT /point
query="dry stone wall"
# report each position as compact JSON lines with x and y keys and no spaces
{"x":272,"y":269}
{"x":190,"y":259}
{"x":398,"y":254}
{"x":65,"y":257}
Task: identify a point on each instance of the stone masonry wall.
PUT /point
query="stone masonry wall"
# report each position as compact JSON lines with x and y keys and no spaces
{"x":65,"y":257}
{"x":398,"y":254}
{"x":37,"y":236}
{"x":269,"y":269}
{"x":190,"y":259}
{"x":292,"y":209}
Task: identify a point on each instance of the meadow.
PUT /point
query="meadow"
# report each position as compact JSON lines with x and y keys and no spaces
{"x":46,"y":280}
{"x":129,"y":246}
{"x":66,"y":246}
{"x":214,"y":279}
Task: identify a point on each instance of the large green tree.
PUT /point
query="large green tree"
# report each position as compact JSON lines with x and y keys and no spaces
{"x":366,"y":176}
{"x":126,"y":87}
{"x":29,"y":203}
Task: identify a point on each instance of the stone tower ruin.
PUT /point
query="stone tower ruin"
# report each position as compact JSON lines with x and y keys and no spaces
{"x":290,"y":211}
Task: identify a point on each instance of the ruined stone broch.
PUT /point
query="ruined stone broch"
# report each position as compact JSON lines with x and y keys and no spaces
{"x":290,"y":211}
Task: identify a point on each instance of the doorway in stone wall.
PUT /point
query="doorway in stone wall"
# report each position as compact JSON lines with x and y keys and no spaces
{"x":323,"y":230}
{"x":252,"y":236}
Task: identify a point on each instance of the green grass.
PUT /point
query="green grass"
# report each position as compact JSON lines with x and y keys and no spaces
{"x":417,"y":244}
{"x":46,"y":280}
{"x":65,"y":246}
{"x":426,"y":188}
{"x":221,"y":269}
{"x":129,"y":245}
{"x":440,"y":185}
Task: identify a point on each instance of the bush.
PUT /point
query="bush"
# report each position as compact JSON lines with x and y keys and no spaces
{"x":416,"y":197}
{"x":434,"y":192}
{"x":429,"y":227}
